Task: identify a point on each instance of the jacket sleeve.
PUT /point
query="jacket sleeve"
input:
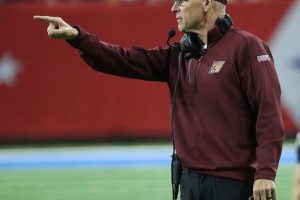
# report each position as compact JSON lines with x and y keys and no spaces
{"x":261,"y":86}
{"x":135,"y":62}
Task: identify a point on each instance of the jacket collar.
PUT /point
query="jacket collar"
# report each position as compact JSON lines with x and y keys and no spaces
{"x":213,"y":36}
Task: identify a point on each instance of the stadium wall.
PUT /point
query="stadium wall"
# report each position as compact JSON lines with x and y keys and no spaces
{"x":53,"y":95}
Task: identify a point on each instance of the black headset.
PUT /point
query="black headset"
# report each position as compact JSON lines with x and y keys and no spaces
{"x":191,"y":43}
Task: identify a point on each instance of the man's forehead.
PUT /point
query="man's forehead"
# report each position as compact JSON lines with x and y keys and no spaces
{"x":179,"y":2}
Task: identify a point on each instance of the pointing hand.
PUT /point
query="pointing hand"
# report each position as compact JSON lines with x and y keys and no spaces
{"x":58,"y":28}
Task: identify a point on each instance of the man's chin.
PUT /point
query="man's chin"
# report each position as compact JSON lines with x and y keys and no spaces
{"x":181,"y":28}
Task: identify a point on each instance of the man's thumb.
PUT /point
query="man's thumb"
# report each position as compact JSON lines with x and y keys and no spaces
{"x":57,"y":33}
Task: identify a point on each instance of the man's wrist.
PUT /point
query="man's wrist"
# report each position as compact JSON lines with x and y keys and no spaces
{"x":74,"y":34}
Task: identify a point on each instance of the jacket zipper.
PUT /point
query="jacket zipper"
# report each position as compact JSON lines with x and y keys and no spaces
{"x":198,"y":64}
{"x":189,"y":70}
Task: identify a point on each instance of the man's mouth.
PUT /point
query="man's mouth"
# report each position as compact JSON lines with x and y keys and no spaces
{"x":178,"y":19}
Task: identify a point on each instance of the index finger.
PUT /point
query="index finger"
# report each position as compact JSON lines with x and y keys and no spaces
{"x":46,"y":18}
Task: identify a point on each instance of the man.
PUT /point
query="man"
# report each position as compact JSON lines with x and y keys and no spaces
{"x":226,"y":119}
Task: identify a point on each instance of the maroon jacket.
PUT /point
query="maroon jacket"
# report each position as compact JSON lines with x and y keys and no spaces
{"x":227,"y":118}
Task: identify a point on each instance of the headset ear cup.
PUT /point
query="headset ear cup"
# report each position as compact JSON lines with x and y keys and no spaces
{"x":185,"y":43}
{"x":191,"y":43}
{"x":224,"y":24}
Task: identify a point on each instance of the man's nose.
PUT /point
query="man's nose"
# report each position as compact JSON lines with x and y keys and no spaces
{"x":174,"y":8}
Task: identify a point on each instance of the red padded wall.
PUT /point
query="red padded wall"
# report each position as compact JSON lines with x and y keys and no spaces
{"x":56,"y":96}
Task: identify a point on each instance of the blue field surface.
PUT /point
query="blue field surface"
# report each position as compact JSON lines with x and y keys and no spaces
{"x":100,"y":156}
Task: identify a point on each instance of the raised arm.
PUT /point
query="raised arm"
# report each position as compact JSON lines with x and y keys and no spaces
{"x":135,"y":62}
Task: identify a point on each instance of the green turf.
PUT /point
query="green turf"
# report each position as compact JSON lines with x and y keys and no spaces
{"x":102,"y":184}
{"x":284,"y":182}
{"x":88,"y":184}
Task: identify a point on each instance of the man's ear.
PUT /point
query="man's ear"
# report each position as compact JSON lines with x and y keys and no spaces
{"x":207,"y":4}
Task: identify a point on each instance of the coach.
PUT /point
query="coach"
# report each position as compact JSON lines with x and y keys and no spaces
{"x":225,"y":96}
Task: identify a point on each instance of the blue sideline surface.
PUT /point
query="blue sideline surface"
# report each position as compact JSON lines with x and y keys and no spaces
{"x":106,"y":156}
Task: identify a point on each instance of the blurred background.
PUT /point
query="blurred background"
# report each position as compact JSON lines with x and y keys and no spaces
{"x":68,"y":132}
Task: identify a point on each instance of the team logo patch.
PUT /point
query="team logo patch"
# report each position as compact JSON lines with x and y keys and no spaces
{"x":263,"y":58}
{"x":216,"y":67}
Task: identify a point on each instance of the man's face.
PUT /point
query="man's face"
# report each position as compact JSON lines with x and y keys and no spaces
{"x":189,"y":15}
